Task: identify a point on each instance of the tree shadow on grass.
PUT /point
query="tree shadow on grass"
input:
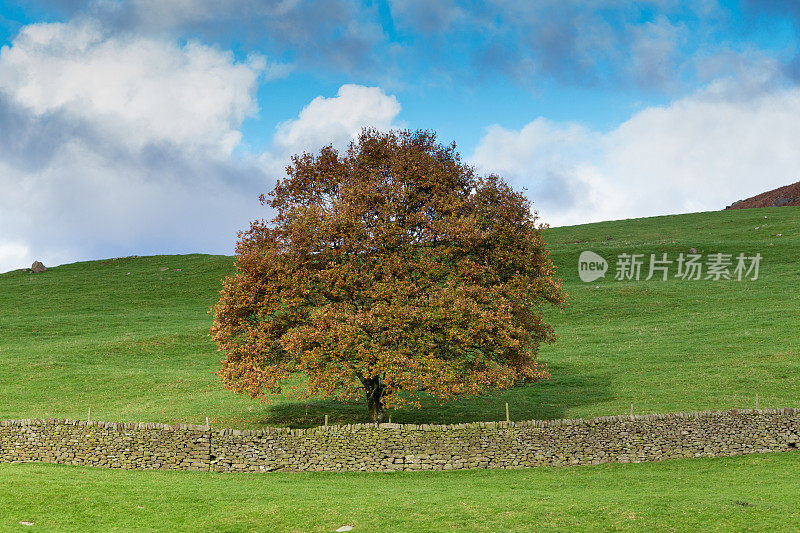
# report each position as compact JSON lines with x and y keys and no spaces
{"x":554,"y":398}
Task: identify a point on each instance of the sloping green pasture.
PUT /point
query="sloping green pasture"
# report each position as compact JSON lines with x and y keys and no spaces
{"x":128,"y":338}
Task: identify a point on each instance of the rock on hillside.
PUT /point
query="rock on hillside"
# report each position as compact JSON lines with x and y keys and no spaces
{"x":788,"y":195}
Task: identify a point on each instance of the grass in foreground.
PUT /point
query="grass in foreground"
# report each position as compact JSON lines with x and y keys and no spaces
{"x":741,"y":493}
{"x":129,"y":337}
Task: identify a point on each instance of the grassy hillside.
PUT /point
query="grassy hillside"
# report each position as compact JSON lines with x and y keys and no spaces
{"x":128,"y":337}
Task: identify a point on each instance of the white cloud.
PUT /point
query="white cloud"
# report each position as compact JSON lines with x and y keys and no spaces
{"x":117,"y":144}
{"x":336,"y":120}
{"x":139,"y":90}
{"x":544,"y":157}
{"x":89,"y":201}
{"x":541,"y":146}
{"x":699,"y":153}
{"x":120,"y":145}
{"x":702,"y":153}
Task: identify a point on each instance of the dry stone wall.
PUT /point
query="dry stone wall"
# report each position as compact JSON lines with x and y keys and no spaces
{"x":144,"y":446}
{"x":391,"y":447}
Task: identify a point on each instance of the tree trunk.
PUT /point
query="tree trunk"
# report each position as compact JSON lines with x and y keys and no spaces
{"x":375,"y":389}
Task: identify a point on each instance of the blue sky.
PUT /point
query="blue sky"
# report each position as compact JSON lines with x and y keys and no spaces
{"x":143,"y":126}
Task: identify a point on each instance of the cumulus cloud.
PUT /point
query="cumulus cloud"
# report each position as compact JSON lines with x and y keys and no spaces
{"x":699,"y":153}
{"x":112,"y":145}
{"x":116,"y":144}
{"x":140,"y":90}
{"x":336,"y":120}
{"x":541,"y":157}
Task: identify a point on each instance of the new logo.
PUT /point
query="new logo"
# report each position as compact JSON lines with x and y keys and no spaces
{"x":591,"y":266}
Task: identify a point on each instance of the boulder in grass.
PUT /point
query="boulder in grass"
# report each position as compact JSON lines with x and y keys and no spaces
{"x":37,"y":267}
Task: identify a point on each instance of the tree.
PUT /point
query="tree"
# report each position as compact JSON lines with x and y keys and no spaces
{"x":389,"y":267}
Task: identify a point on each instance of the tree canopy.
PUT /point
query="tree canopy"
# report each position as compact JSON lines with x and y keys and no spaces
{"x":389,"y":269}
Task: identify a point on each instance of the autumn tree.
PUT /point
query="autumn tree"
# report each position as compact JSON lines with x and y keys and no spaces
{"x":389,"y":267}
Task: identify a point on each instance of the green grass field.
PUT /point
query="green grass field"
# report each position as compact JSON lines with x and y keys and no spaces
{"x":732,"y":494}
{"x":128,"y":338}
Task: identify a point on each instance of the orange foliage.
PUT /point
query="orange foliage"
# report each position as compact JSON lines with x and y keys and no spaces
{"x":391,"y":266}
